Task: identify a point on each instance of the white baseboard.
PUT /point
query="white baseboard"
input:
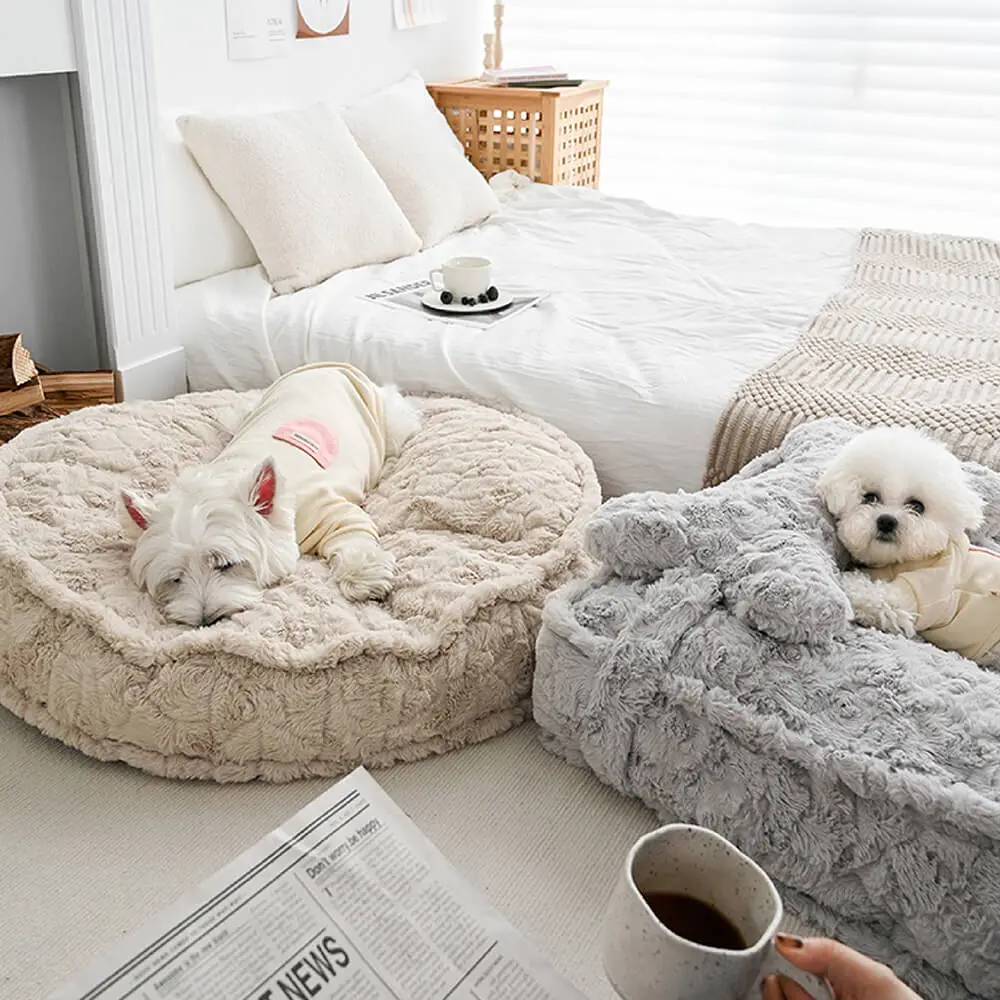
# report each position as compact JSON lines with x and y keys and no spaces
{"x":159,"y":377}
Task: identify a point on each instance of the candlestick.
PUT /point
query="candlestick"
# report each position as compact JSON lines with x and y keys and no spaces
{"x":498,"y":36}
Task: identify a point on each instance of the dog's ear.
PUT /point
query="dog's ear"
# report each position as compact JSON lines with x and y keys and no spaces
{"x":970,"y":506}
{"x":838,"y":489}
{"x":263,"y":488}
{"x":136,"y":512}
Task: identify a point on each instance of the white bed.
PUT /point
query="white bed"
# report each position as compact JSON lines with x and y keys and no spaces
{"x":652,"y":321}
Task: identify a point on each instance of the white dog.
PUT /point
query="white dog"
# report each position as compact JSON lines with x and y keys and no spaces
{"x":903,"y":505}
{"x":290,"y":482}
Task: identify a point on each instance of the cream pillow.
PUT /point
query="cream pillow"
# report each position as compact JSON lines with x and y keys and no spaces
{"x":410,"y":144}
{"x":297,"y":182}
{"x":206,"y":239}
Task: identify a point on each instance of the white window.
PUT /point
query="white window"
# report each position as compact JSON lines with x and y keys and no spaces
{"x":808,"y":112}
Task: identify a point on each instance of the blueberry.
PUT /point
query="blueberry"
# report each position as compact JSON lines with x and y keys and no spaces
{"x":492,"y":294}
{"x":447,"y":298}
{"x":483,"y":297}
{"x":467,"y":301}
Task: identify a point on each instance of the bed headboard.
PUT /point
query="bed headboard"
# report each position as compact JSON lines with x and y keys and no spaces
{"x":205,"y":237}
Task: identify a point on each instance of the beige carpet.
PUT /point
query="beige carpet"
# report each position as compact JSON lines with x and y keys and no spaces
{"x":88,"y":850}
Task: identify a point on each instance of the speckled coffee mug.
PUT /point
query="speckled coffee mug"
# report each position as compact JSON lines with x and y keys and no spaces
{"x":645,"y":960}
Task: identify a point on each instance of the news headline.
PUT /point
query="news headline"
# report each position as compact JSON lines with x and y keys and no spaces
{"x":308,"y":975}
{"x":328,"y":860}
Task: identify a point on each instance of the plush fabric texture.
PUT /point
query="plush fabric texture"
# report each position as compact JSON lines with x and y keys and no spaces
{"x":205,"y":238}
{"x":909,"y":339}
{"x":484,"y":512}
{"x":297,"y":182}
{"x":406,"y":138}
{"x":709,"y":668}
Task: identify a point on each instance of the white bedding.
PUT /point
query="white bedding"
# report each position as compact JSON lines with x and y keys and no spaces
{"x":652,"y":321}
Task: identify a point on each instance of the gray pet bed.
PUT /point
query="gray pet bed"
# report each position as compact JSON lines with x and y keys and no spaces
{"x":484,"y":511}
{"x":711,"y":670}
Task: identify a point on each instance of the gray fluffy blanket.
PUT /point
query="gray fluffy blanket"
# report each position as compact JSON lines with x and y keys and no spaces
{"x":711,"y":669}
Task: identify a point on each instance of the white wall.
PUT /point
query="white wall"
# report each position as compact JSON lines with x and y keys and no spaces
{"x":192,"y":70}
{"x":36,"y":37}
{"x":44,"y":282}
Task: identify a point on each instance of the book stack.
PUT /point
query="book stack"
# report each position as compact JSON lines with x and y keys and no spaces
{"x":529,"y":76}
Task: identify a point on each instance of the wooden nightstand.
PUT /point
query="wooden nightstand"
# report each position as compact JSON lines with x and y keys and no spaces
{"x":550,"y":135}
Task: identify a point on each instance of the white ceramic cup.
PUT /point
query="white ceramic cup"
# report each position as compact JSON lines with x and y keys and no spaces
{"x":645,"y":960}
{"x":464,"y":277}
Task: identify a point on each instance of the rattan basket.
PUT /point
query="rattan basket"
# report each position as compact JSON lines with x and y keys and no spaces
{"x":552,"y":136}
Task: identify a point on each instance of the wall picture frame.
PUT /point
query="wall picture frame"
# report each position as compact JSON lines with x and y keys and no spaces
{"x":323,"y":18}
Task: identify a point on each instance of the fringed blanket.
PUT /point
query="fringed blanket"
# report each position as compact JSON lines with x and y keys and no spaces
{"x":912,"y":338}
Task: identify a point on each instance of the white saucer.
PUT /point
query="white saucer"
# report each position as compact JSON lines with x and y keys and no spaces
{"x":432,"y":300}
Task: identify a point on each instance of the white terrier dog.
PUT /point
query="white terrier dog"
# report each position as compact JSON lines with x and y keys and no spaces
{"x":903,"y":505}
{"x":290,"y":482}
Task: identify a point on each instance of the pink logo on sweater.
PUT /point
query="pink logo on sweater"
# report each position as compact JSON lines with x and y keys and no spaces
{"x":317,"y":440}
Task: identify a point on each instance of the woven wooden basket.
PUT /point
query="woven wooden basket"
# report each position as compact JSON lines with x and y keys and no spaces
{"x":552,"y":136}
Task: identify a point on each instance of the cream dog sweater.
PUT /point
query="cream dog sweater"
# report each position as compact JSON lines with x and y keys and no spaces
{"x":955,"y":596}
{"x":325,"y":429}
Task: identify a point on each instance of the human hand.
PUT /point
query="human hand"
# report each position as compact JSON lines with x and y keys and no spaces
{"x":852,"y":976}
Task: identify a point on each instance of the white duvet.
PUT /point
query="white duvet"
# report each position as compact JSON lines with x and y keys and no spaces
{"x":651,"y":323}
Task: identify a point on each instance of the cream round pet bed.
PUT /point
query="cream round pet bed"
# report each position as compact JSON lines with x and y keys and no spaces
{"x":484,"y":511}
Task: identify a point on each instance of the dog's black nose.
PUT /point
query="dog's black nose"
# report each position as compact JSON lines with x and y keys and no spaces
{"x":886,"y":524}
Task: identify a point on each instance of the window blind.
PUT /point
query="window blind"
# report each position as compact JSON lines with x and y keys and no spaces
{"x":808,"y":112}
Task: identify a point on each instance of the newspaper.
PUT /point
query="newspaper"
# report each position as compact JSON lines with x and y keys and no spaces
{"x":346,"y":900}
{"x":408,"y":297}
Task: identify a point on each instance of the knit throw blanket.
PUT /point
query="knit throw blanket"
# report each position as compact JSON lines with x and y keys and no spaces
{"x":912,"y":338}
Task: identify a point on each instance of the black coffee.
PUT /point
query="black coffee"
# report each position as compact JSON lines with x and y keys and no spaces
{"x":694,"y":920}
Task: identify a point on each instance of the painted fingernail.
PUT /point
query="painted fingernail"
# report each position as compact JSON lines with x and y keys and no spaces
{"x":789,"y":941}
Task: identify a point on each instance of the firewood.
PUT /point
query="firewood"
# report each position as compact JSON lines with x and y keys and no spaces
{"x":16,"y":366}
{"x":75,"y":390}
{"x":13,"y":423}
{"x":23,"y":396}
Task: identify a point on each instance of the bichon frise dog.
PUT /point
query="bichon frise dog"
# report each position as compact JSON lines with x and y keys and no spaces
{"x":902,"y":505}
{"x":289,"y":483}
